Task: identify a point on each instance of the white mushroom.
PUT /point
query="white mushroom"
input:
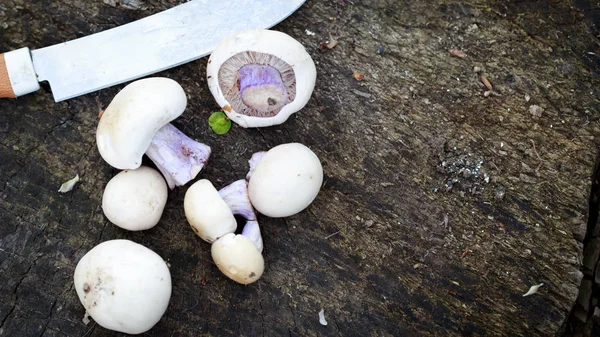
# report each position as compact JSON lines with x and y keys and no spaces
{"x":207,"y":212}
{"x":285,"y":180}
{"x":135,"y":114}
{"x":123,"y":286}
{"x":237,"y":257}
{"x":135,"y":199}
{"x":211,"y":215}
{"x":211,"y":212}
{"x":137,"y":122}
{"x":260,"y":77}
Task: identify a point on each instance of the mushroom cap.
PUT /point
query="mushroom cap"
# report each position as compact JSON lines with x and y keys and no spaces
{"x":135,"y":199}
{"x":207,"y":212}
{"x":133,"y":117}
{"x":123,"y":286}
{"x":285,"y":180}
{"x":269,"y":42}
{"x":238,"y":258}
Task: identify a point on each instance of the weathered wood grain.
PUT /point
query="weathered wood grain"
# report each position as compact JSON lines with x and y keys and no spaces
{"x":443,"y":201}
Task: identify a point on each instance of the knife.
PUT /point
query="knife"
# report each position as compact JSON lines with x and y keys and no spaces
{"x":161,"y":41}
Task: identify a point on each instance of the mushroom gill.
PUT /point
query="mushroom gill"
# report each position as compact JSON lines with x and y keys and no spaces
{"x":257,"y":84}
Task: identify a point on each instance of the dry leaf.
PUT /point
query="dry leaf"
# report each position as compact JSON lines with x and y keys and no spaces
{"x":486,"y":82}
{"x":457,"y":53}
{"x":322,"y":317}
{"x":68,"y":186}
{"x":358,"y":76}
{"x":533,"y":289}
{"x":536,"y":110}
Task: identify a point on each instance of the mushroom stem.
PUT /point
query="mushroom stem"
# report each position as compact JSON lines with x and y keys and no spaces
{"x":252,"y":231}
{"x":261,"y":87}
{"x":253,"y":161}
{"x":177,"y":156}
{"x":236,"y":197}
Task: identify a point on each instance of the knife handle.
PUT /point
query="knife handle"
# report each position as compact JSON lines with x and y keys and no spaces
{"x":17,"y":75}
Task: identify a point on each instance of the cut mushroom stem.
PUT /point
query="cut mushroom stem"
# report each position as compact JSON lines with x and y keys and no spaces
{"x":252,"y":231}
{"x":261,"y":87}
{"x":177,"y":156}
{"x":256,"y":157}
{"x":236,"y":197}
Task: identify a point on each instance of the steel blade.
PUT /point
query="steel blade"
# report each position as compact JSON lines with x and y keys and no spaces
{"x":170,"y":38}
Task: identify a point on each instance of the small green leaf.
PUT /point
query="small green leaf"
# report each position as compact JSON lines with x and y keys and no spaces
{"x":219,"y":122}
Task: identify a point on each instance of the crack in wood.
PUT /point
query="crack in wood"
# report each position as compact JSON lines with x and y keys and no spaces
{"x":574,"y":323}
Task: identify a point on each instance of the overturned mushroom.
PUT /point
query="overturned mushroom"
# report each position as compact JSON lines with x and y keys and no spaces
{"x":284,"y":180}
{"x":137,"y":122}
{"x":135,"y":199}
{"x":260,"y":77}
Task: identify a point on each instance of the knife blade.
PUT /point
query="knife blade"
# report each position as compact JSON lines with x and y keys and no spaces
{"x":158,"y":42}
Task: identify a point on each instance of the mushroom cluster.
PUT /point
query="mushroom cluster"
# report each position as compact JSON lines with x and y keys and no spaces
{"x":280,"y":182}
{"x":211,"y":214}
{"x":137,"y":122}
{"x":259,"y":78}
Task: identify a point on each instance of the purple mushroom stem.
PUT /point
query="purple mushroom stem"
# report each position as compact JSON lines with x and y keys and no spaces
{"x":252,"y":231}
{"x":236,"y":197}
{"x":177,"y":156}
{"x":253,"y":161}
{"x":261,"y":87}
